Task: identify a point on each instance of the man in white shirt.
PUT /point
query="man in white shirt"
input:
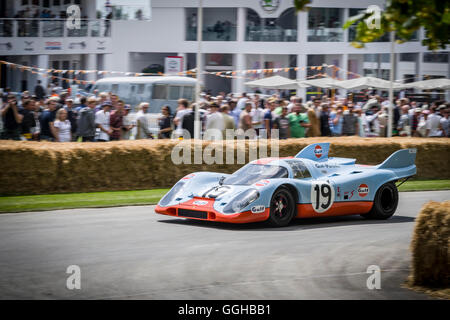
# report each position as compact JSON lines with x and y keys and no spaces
{"x":241,"y":102}
{"x":293,"y":101}
{"x":433,"y":125}
{"x":102,"y":121}
{"x":257,"y":115}
{"x":143,"y":131}
{"x":215,"y":123}
{"x":182,"y":109}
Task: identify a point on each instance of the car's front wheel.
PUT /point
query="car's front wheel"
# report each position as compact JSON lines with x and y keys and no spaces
{"x":385,"y":202}
{"x":282,"y":208}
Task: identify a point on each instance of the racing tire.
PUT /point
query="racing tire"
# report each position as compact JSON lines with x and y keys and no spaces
{"x":385,"y":202}
{"x":282,"y":208}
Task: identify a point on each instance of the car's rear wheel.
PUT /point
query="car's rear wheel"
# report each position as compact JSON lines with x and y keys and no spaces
{"x":385,"y":202}
{"x":282,"y":208}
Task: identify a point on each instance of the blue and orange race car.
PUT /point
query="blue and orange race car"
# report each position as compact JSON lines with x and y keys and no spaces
{"x":279,"y":189}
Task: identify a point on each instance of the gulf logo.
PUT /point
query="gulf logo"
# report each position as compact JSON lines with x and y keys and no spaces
{"x":363,"y":190}
{"x":318,"y":151}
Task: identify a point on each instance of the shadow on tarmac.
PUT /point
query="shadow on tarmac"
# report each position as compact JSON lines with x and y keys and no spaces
{"x":296,"y":224}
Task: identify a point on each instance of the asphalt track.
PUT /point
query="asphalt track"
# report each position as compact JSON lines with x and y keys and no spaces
{"x":133,"y":253}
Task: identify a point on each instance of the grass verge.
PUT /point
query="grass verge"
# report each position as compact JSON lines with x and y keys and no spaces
{"x":79,"y":200}
{"x":139,"y":197}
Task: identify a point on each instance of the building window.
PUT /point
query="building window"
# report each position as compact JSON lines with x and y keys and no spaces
{"x":370,"y":57}
{"x":124,"y":9}
{"x":281,"y":29}
{"x":377,"y":57}
{"x":325,"y":24}
{"x":377,"y":73}
{"x":408,"y":57}
{"x":435,"y":57}
{"x":219,"y":24}
{"x":218,"y":59}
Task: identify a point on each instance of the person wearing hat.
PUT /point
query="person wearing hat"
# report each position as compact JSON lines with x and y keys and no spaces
{"x":423,"y":123}
{"x":214,"y":123}
{"x":102,"y":120}
{"x":128,"y":123}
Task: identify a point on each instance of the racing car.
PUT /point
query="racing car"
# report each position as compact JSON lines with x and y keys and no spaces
{"x":276,"y":190}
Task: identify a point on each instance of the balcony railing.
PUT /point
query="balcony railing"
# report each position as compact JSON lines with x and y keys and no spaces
{"x":322,"y":34}
{"x":266,"y":33}
{"x":53,"y":28}
{"x":210,"y":33}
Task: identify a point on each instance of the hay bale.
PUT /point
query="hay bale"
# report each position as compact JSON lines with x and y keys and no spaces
{"x":43,"y":167}
{"x":430,"y":246}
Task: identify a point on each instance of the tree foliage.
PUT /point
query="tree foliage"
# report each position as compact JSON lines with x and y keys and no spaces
{"x":404,"y":17}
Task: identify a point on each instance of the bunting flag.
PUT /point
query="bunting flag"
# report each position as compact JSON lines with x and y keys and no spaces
{"x":236,"y":74}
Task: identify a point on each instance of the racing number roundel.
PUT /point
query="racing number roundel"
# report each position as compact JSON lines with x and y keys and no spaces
{"x":322,"y":196}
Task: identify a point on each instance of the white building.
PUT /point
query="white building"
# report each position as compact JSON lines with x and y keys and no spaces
{"x":237,"y":35}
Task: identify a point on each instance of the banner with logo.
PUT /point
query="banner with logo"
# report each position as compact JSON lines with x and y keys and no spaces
{"x":173,"y":65}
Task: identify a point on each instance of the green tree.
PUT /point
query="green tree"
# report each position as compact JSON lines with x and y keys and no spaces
{"x":404,"y":17}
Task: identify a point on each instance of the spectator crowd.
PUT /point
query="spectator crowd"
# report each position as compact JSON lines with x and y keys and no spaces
{"x":105,"y":117}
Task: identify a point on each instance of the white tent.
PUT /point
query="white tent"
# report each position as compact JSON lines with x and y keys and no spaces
{"x":441,"y":83}
{"x":275,"y":82}
{"x":367,"y":82}
{"x":325,"y":83}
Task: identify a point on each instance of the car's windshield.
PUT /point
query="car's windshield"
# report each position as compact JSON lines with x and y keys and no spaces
{"x":252,"y":173}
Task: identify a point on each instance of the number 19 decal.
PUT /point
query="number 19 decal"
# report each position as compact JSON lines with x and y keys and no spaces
{"x":322,"y":196}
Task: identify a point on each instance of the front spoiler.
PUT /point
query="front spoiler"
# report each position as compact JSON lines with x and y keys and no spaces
{"x":212,"y":214}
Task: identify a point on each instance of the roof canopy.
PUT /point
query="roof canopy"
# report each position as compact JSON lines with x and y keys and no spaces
{"x":325,"y":83}
{"x":275,"y":82}
{"x":441,"y":83}
{"x":367,"y":82}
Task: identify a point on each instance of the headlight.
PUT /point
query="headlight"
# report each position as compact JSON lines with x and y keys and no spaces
{"x":177,"y":188}
{"x":241,"y":201}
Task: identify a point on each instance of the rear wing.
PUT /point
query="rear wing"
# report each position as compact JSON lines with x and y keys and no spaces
{"x":315,"y":152}
{"x":399,"y":159}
